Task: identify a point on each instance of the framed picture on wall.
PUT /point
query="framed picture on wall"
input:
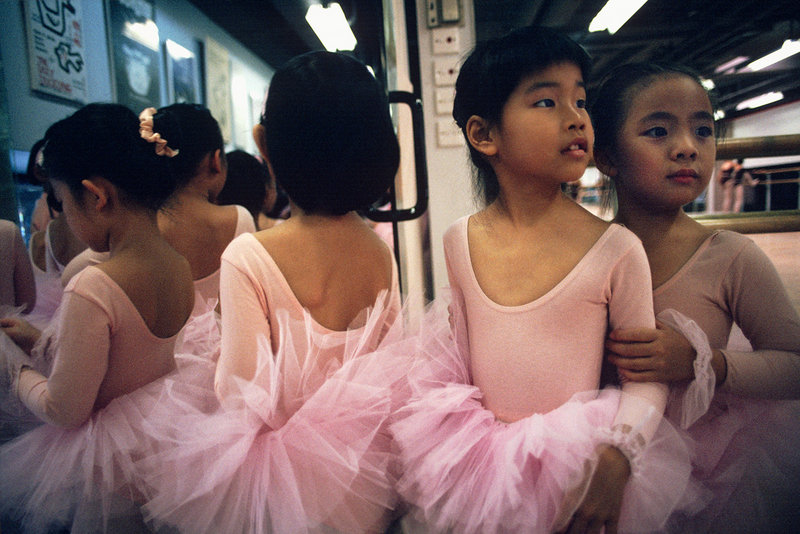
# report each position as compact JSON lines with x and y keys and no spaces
{"x":218,"y":85}
{"x":56,"y":54}
{"x":181,"y":79}
{"x":134,"y":50}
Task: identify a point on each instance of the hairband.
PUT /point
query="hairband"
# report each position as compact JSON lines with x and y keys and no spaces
{"x":147,"y":133}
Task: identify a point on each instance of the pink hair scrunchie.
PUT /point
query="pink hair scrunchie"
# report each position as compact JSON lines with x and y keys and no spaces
{"x":147,"y":133}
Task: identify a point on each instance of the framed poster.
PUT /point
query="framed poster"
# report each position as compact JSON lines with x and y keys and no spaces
{"x":218,"y":86}
{"x":56,"y":54}
{"x":181,"y":81}
{"x":134,"y":49}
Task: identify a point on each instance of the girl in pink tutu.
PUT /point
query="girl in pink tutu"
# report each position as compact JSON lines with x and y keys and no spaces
{"x":114,"y":332}
{"x":507,"y":430}
{"x":299,"y":443}
{"x":655,"y":140}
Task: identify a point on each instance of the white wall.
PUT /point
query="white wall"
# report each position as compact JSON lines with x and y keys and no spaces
{"x":449,"y":172}
{"x":31,"y":113}
{"x":780,"y":120}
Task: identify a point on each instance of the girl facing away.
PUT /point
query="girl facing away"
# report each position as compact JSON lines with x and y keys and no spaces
{"x":191,"y":221}
{"x":299,"y":443}
{"x":507,"y":430}
{"x":655,"y":140}
{"x":114,"y":336}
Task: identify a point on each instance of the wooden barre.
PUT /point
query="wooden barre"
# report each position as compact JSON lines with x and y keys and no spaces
{"x":765,"y":222}
{"x":758,"y":147}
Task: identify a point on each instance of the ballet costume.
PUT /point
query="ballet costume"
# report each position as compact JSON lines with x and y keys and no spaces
{"x":75,"y":475}
{"x":747,"y":429}
{"x":302,"y":445}
{"x":505,"y":411}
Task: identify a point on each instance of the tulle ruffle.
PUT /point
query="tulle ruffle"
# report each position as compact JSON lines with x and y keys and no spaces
{"x":465,"y":471}
{"x":748,"y":450}
{"x":299,"y":448}
{"x":82,"y":479}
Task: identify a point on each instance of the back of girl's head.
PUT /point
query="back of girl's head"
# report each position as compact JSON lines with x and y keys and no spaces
{"x":246,"y":183}
{"x":102,"y":140}
{"x":491,"y":73}
{"x":329,"y":136}
{"x":193,"y":131}
{"x":610,"y":103}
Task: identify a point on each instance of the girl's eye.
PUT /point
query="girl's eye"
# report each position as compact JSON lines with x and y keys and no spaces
{"x":705,"y":131}
{"x":656,"y":131}
{"x":581,"y":103}
{"x":544,"y":103}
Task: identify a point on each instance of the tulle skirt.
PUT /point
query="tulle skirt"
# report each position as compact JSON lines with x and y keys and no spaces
{"x":464,"y":471}
{"x":747,"y":450}
{"x":299,"y":448}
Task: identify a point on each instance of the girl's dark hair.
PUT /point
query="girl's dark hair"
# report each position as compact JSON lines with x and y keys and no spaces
{"x":610,"y":102}
{"x":193,"y":131}
{"x":103,"y":140}
{"x":246,"y":184}
{"x":491,"y":73}
{"x":329,"y":136}
{"x":31,"y":169}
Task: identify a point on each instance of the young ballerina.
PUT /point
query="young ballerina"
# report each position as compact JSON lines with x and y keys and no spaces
{"x":509,"y":433}
{"x":655,"y":140}
{"x":17,"y":285}
{"x":115,"y":331}
{"x":299,"y":443}
{"x":191,"y":221}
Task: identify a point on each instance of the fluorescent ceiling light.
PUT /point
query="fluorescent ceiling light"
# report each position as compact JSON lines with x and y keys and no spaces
{"x":331,"y":27}
{"x":708,"y":83}
{"x":719,"y":115}
{"x":789,"y":48}
{"x":614,"y":14}
{"x":730,"y":64}
{"x":761,"y":100}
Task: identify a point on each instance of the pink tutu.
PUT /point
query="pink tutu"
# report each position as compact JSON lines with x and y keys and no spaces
{"x":748,"y":450}
{"x":298,"y":448}
{"x":83,"y":479}
{"x":465,"y":471}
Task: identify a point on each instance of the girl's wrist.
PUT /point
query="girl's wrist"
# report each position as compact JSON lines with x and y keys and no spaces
{"x":720,"y":366}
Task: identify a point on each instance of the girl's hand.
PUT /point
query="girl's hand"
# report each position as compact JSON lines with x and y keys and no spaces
{"x":651,"y":355}
{"x":21,"y":332}
{"x":603,"y":500}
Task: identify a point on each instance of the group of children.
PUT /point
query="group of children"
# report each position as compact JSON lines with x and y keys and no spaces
{"x":202,"y":377}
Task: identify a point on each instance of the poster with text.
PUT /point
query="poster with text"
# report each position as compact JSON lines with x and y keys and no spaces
{"x":134,"y":45}
{"x":56,"y":52}
{"x":218,"y":85}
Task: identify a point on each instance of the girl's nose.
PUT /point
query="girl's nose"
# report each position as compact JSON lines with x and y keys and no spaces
{"x":684,"y":148}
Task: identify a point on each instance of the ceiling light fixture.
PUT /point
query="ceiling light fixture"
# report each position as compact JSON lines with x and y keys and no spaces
{"x":330,"y":25}
{"x":758,"y":101}
{"x":614,"y":14}
{"x":730,"y":64}
{"x":789,"y":48}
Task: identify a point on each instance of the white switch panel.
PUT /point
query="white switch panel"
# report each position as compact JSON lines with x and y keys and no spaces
{"x":444,"y":100}
{"x":445,"y":40}
{"x":445,"y":70}
{"x":448,"y":133}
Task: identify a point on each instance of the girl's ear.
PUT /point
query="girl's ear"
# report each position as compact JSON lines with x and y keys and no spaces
{"x":215,"y":161}
{"x":260,"y":137}
{"x":481,"y":136}
{"x":98,"y":192}
{"x":604,"y":163}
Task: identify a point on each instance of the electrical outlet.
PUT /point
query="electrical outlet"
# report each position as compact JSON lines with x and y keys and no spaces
{"x":445,"y":40}
{"x":445,"y":71}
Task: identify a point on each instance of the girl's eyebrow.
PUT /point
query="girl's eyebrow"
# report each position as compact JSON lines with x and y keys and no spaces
{"x":666,"y":116}
{"x":548,"y":84}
